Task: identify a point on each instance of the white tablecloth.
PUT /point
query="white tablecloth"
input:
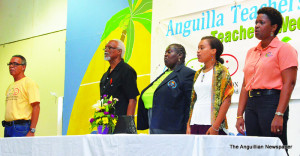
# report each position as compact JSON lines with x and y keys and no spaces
{"x":141,"y":145}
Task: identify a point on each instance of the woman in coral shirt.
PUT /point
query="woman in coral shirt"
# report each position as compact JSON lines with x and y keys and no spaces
{"x":269,"y":78}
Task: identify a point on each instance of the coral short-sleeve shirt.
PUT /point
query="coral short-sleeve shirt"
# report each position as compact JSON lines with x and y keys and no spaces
{"x":263,"y":67}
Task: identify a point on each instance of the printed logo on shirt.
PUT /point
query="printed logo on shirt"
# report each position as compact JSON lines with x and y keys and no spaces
{"x":269,"y":54}
{"x":13,"y":91}
{"x":12,"y":94}
{"x":172,"y":84}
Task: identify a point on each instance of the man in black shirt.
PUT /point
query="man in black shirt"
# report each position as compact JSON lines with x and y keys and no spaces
{"x":119,"y":80}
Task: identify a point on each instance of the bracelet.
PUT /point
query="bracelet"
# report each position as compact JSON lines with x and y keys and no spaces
{"x":279,"y":114}
{"x":239,"y":117}
{"x":217,"y":130}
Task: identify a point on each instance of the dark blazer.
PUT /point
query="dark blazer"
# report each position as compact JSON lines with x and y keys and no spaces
{"x":171,"y":102}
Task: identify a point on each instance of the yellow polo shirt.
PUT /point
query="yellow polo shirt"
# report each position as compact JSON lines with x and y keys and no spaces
{"x":19,"y":96}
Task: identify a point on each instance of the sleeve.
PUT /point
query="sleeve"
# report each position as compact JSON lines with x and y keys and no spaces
{"x":129,"y":84}
{"x":193,"y":96}
{"x":33,"y":92}
{"x":142,"y":116}
{"x":287,"y":57}
{"x":188,"y":87}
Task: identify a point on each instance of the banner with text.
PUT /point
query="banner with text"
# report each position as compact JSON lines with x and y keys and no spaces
{"x":234,"y":26}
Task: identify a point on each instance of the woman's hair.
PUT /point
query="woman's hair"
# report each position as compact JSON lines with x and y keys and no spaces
{"x":215,"y":44}
{"x":274,"y":16}
{"x":179,"y":49}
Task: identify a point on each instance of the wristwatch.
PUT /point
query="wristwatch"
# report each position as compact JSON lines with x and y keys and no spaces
{"x":32,"y":130}
{"x":279,"y":113}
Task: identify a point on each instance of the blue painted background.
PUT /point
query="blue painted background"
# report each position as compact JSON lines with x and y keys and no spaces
{"x":85,"y":24}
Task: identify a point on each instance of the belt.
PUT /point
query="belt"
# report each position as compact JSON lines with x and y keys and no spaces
{"x":10,"y":123}
{"x":261,"y":92}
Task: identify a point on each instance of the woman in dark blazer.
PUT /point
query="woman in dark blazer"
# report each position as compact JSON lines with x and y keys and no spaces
{"x":164,"y":105}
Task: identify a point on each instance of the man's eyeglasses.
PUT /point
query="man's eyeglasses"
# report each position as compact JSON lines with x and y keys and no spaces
{"x":110,"y":48}
{"x":13,"y":64}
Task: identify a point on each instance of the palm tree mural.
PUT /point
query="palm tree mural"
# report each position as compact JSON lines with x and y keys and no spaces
{"x":140,"y":11}
{"x":132,"y":25}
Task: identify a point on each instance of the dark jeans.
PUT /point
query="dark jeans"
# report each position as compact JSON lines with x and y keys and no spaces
{"x":259,"y":113}
{"x":202,"y":129}
{"x":17,"y":130}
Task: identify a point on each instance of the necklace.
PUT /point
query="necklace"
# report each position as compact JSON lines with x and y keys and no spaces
{"x":207,"y":70}
{"x":202,"y":78}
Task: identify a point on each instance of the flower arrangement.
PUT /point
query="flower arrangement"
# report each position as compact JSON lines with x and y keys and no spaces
{"x":104,"y":114}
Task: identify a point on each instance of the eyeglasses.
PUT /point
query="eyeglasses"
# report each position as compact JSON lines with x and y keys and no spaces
{"x":13,"y":64}
{"x":109,"y":48}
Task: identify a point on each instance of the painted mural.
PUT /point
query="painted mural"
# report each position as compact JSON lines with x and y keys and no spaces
{"x":132,"y":25}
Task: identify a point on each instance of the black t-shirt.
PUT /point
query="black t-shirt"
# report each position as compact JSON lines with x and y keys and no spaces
{"x":121,"y":84}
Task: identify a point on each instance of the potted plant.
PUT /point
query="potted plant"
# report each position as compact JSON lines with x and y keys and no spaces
{"x":104,"y":118}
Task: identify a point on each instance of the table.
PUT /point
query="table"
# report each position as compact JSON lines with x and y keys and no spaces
{"x":141,"y":145}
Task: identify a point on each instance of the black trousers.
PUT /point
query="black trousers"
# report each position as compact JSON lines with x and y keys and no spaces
{"x":259,"y":113}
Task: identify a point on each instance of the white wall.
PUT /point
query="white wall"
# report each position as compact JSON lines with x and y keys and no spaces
{"x":20,"y":19}
{"x":35,"y":29}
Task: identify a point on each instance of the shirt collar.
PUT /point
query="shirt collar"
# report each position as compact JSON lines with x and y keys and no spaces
{"x":274,"y":43}
{"x":117,"y":67}
{"x":178,"y":67}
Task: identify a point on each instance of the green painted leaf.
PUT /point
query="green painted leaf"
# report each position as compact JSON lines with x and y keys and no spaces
{"x":134,"y":3}
{"x":124,"y":22}
{"x":286,"y":39}
{"x":130,"y":5}
{"x":124,"y":19}
{"x":130,"y":41}
{"x":144,"y":19}
{"x":145,"y":5}
{"x":114,"y":22}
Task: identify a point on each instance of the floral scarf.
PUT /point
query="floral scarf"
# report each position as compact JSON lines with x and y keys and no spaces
{"x":222,"y":87}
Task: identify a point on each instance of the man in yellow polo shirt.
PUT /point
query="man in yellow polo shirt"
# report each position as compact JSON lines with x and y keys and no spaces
{"x":22,"y":101}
